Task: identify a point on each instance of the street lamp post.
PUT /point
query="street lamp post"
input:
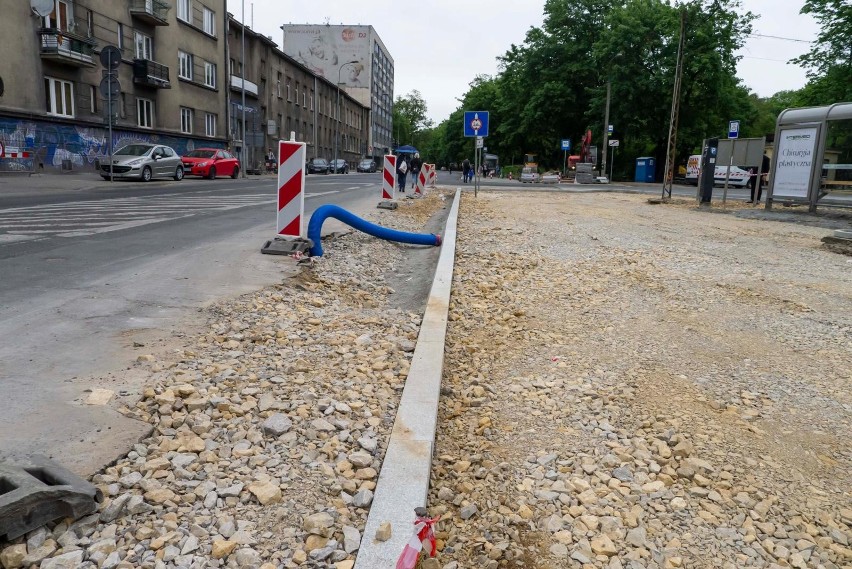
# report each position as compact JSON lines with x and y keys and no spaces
{"x":337,"y":122}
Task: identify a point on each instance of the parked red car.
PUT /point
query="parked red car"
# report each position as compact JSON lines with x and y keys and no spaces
{"x":211,"y":162}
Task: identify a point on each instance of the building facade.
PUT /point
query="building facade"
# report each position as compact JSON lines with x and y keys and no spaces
{"x":356,"y":58}
{"x":171,"y":79}
{"x":282,"y":97}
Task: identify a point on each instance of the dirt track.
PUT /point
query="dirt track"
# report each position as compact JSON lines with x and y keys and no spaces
{"x":642,"y":386}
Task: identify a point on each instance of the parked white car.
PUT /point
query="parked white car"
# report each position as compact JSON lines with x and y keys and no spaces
{"x":739,"y":176}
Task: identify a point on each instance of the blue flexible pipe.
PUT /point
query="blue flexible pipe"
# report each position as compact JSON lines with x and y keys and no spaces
{"x":324,"y":212}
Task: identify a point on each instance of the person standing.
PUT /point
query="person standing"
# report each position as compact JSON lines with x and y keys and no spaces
{"x":759,"y":179}
{"x":401,"y":171}
{"x":416,"y":164}
{"x":466,"y":170}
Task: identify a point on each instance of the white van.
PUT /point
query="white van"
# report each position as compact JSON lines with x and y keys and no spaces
{"x":739,"y":176}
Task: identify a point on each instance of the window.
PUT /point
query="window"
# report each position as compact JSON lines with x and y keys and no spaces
{"x":143,"y":46}
{"x":231,"y":66}
{"x":122,"y":112}
{"x":120,"y":38}
{"x":297,"y":94}
{"x":185,"y":65}
{"x":210,"y":124}
{"x":304,"y":98}
{"x":209,"y":22}
{"x":90,"y":23}
{"x":59,"y":97}
{"x":93,"y":99}
{"x":184,"y":10}
{"x":288,"y":90}
{"x":60,"y":17}
{"x":312,"y":100}
{"x":210,"y":74}
{"x":186,"y":120}
{"x":145,"y":113}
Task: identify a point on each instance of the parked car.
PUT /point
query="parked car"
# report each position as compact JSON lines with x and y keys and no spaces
{"x":339,"y":166}
{"x":367,"y":165}
{"x":143,"y":161}
{"x":529,"y":175}
{"x":318,"y":166}
{"x":551,"y":177}
{"x":739,"y":176}
{"x":211,"y":162}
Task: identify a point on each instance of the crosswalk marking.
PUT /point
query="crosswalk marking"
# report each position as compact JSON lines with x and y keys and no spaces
{"x":76,"y":219}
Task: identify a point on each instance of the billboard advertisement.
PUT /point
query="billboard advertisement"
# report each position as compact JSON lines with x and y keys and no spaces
{"x":793,"y":162}
{"x":324,"y":49}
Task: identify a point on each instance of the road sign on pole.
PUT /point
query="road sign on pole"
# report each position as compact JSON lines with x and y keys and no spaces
{"x":733,"y":129}
{"x":566,"y":144}
{"x":613,"y":142}
{"x":609,"y":129}
{"x":479,"y":142}
{"x":476,"y":123}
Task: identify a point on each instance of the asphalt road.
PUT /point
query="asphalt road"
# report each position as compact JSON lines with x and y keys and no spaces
{"x":90,"y":278}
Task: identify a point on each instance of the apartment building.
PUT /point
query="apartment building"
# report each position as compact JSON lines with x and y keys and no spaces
{"x":171,"y":76}
{"x":283,"y":96}
{"x":356,"y":58}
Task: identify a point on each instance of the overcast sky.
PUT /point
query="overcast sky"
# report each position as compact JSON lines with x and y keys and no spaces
{"x":439,"y":46}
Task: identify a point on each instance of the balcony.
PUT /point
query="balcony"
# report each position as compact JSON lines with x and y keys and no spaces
{"x":237,"y":85}
{"x":67,"y":47}
{"x":151,"y":74}
{"x":153,"y":12}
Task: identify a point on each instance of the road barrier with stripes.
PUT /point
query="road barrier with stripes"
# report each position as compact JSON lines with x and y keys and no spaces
{"x":389,"y":177}
{"x":291,"y":188}
{"x":17,"y":160}
{"x":431,"y":175}
{"x":420,"y":184}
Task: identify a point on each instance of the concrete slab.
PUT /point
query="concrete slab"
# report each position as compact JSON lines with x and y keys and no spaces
{"x":404,"y":480}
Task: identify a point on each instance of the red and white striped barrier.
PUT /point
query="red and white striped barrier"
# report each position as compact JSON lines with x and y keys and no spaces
{"x":389,"y":177}
{"x":432,"y":176}
{"x":291,"y":188}
{"x":13,"y":152}
{"x":420,"y":185}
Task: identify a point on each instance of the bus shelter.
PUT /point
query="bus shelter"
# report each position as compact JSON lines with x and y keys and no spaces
{"x":812,"y":162}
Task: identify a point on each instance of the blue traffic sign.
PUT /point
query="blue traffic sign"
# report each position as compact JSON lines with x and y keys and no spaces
{"x":734,"y":129}
{"x":476,"y":123}
{"x":566,"y":145}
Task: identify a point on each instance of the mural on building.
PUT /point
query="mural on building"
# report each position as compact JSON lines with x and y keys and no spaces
{"x":54,"y":145}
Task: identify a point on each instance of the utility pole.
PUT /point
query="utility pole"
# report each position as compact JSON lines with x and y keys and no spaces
{"x":606,"y":129}
{"x":671,"y":150}
{"x":243,"y":84}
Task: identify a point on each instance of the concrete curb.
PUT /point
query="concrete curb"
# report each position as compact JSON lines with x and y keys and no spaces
{"x":404,"y":480}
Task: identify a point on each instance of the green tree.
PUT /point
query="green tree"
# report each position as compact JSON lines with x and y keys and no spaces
{"x":410,"y":118}
{"x":829,"y":61}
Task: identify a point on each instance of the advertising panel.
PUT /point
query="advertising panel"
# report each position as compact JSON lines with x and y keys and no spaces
{"x":324,"y":49}
{"x":793,"y":162}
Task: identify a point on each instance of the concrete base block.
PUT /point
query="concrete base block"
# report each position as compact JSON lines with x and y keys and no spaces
{"x":36,"y":490}
{"x":387,"y":204}
{"x":284,"y":246}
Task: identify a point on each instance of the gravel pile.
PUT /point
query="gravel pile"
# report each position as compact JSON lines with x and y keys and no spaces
{"x":631,"y":386}
{"x":269,"y":430}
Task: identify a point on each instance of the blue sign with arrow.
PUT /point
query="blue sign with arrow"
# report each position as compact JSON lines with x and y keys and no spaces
{"x":476,"y":123}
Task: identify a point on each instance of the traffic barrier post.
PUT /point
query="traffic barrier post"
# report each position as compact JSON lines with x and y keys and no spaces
{"x":290,"y":202}
{"x":388,"y":183}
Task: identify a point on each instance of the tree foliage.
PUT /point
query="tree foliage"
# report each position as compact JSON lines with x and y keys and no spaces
{"x":829,"y":61}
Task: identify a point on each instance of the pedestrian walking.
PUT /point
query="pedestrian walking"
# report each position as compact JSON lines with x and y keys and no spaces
{"x":466,"y":170}
{"x":401,"y":170}
{"x":759,"y":179}
{"x":416,"y":164}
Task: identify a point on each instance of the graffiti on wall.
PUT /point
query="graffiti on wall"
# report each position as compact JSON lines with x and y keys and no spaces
{"x":55,"y":145}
